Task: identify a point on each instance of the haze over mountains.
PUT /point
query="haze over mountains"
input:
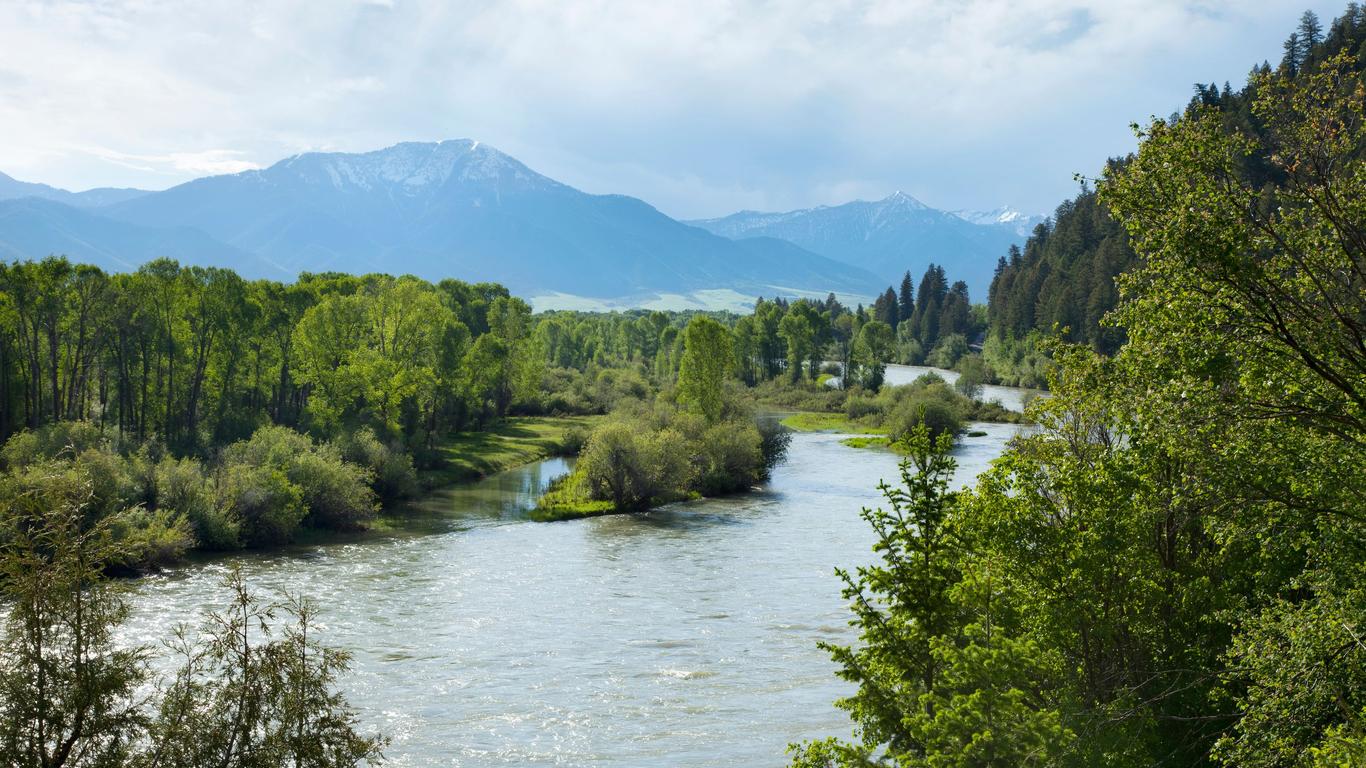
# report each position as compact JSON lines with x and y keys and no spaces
{"x":892,"y":235}
{"x":463,"y":209}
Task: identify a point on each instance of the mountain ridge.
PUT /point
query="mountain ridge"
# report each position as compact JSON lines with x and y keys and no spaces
{"x":462,"y":208}
{"x":889,"y":236}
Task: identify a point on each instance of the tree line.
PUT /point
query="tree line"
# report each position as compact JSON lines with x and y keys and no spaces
{"x":1063,"y":280}
{"x":197,"y":357}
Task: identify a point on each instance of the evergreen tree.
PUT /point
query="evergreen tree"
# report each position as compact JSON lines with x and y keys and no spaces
{"x":1310,"y":34}
{"x":906,"y":301}
{"x":1294,"y":52}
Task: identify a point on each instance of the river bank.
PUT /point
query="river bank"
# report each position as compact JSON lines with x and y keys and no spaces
{"x":513,"y":442}
{"x":684,"y":636}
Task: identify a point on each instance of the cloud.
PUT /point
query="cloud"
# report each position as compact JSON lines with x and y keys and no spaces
{"x":694,"y":106}
{"x":208,"y":162}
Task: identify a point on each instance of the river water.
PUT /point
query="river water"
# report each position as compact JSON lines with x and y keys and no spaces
{"x":680,"y":637}
{"x":1013,"y":398}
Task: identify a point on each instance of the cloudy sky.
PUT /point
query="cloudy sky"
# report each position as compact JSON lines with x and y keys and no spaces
{"x":700,"y":107}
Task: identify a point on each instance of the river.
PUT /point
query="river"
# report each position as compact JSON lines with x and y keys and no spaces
{"x":1013,"y":398}
{"x":680,"y":637}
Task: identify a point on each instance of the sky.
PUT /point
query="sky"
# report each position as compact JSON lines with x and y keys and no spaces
{"x":700,"y":107}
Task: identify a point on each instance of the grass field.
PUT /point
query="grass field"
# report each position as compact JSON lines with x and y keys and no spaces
{"x":513,"y":442}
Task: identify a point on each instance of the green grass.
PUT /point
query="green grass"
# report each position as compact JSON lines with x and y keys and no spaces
{"x":466,"y":456}
{"x":572,"y":511}
{"x":867,"y":442}
{"x":807,"y":421}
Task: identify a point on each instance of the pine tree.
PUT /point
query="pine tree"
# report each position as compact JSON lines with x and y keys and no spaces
{"x":906,"y":306}
{"x":1291,"y":61}
{"x":1310,"y":35}
{"x":886,"y":309}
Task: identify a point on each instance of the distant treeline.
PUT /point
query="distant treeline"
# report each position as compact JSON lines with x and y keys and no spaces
{"x":197,"y":357}
{"x":1064,"y":276}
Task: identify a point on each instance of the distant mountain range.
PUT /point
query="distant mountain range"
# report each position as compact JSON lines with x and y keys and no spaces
{"x":892,"y":235}
{"x":11,"y":188}
{"x":463,"y":209}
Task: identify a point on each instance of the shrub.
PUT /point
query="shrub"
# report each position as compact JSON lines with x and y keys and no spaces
{"x":973,"y":373}
{"x":935,"y":414}
{"x":148,"y":540}
{"x":266,"y":507}
{"x":182,"y":488}
{"x":113,"y":486}
{"x":729,"y":458}
{"x":859,"y":406}
{"x":336,"y":494}
{"x":774,"y":440}
{"x":62,"y":438}
{"x":949,"y":349}
{"x":574,"y":440}
{"x":392,"y":475}
{"x":630,"y":465}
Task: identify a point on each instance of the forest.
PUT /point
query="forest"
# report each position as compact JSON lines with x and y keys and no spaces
{"x":1169,"y":572}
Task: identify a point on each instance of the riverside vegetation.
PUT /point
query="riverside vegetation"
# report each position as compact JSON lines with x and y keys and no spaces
{"x":1169,"y":572}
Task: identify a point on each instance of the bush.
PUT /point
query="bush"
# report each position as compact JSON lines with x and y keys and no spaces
{"x":935,"y":414}
{"x":859,"y":406}
{"x":113,"y":485}
{"x":729,"y":458}
{"x":66,"y":439}
{"x":266,"y":507}
{"x":949,"y":349}
{"x":337,"y":494}
{"x":972,"y":374}
{"x":802,"y":396}
{"x":182,"y":488}
{"x":632,"y":466}
{"x":574,"y":440}
{"x":148,"y":540}
{"x":392,"y":475}
{"x":774,"y":440}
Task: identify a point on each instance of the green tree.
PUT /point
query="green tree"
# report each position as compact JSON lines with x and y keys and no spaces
{"x":251,"y":694}
{"x":706,"y":359}
{"x":943,"y":676}
{"x":68,"y":691}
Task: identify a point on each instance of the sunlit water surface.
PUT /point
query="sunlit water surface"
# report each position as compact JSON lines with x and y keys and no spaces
{"x":1013,"y":398}
{"x":681,"y":637}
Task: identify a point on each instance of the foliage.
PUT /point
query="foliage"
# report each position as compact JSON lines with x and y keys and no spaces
{"x":948,"y":351}
{"x":70,"y":695}
{"x":706,"y":358}
{"x":943,"y":674}
{"x":973,"y":372}
{"x":632,"y":468}
{"x":1174,"y":558}
{"x":67,"y":690}
{"x":248,"y":693}
{"x":640,"y":458}
{"x":196,"y":357}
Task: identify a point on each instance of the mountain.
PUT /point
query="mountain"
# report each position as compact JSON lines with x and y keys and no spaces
{"x":11,"y":189}
{"x":1022,"y":223}
{"x":886,"y":237}
{"x":463,"y":209}
{"x":32,"y":227}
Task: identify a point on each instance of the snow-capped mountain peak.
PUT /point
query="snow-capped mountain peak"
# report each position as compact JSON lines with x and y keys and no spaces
{"x":1004,"y":216}
{"x":410,"y":168}
{"x":901,"y":199}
